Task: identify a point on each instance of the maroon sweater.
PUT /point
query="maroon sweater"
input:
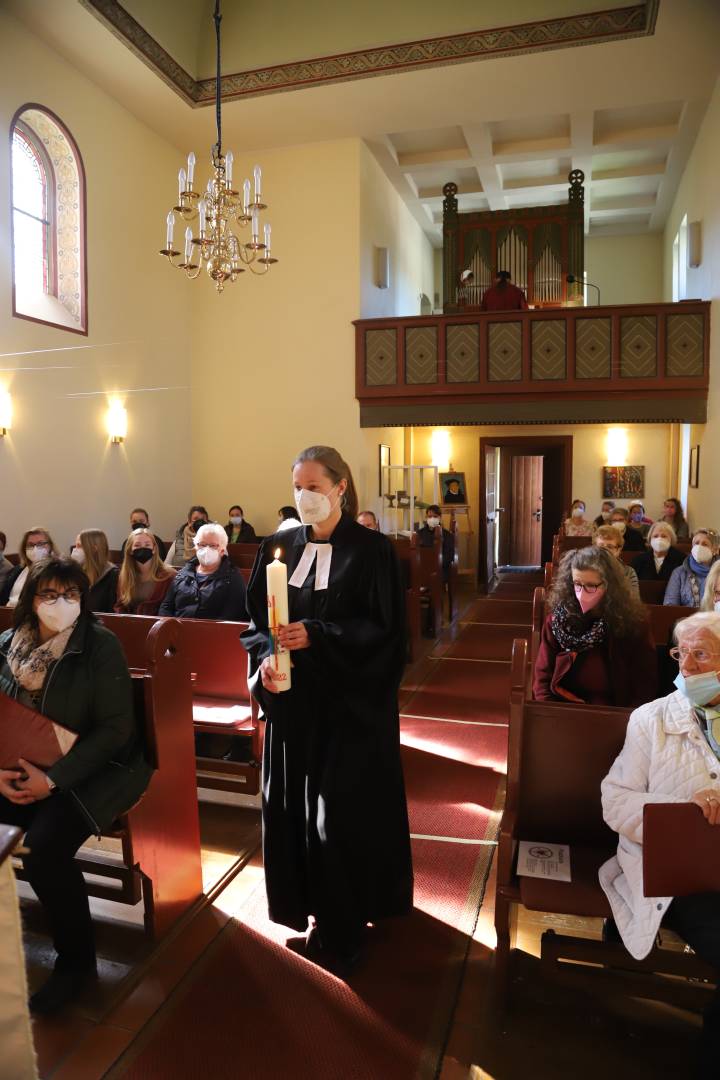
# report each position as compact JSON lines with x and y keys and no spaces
{"x":622,"y":671}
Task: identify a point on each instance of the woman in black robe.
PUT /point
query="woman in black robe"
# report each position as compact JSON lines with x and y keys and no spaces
{"x":336,"y":839}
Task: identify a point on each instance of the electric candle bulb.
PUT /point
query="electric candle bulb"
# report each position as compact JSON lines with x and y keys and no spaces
{"x":267,"y":231}
{"x":246,"y":196}
{"x":257,"y":174}
{"x":229,"y":159}
{"x":170,"y":230}
{"x":188,"y":244}
{"x":255,"y":226}
{"x":191,"y":170}
{"x":202,"y":211}
{"x":181,"y":183}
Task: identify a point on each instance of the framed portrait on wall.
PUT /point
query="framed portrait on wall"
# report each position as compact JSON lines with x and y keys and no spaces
{"x":383,"y":462}
{"x":623,"y":482}
{"x":694,"y":470}
{"x":453,"y":491}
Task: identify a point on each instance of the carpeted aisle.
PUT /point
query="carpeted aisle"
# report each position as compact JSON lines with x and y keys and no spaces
{"x":251,"y":1008}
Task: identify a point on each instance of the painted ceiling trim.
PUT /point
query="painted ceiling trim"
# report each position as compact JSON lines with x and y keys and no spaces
{"x":637,"y":20}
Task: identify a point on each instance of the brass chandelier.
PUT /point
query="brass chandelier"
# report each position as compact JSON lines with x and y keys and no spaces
{"x":216,"y":247}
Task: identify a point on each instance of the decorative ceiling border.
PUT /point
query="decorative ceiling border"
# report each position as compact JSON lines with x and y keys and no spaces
{"x":637,"y":20}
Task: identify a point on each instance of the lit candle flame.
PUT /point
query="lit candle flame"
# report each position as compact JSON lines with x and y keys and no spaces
{"x":278,"y":553}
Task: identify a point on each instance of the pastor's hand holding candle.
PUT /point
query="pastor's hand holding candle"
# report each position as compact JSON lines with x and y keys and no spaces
{"x":278,"y":662}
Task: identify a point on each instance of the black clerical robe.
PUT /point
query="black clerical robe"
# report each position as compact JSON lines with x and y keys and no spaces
{"x":335,"y":828}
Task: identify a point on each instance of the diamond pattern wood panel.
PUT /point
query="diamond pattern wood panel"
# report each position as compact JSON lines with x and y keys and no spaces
{"x":593,"y":349}
{"x":685,"y":345}
{"x":548,"y":349}
{"x":421,"y":359}
{"x":380,"y":357}
{"x":638,"y":347}
{"x":505,"y":352}
{"x":461,"y":349}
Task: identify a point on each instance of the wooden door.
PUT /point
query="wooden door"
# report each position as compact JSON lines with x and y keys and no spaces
{"x":526,"y":486}
{"x":491,"y":492}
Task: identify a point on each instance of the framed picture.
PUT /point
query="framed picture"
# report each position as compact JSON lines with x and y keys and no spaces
{"x":694,"y":471}
{"x":623,"y":482}
{"x":384,"y":461}
{"x":453,"y":491}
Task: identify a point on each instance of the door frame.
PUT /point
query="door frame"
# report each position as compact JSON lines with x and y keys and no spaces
{"x":528,"y":444}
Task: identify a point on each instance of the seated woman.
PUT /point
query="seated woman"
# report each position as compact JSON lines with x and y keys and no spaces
{"x":711,"y":596}
{"x":6,"y":567}
{"x":35,"y":545}
{"x":611,"y":540}
{"x":239,"y":531}
{"x":101,"y":777}
{"x":595,"y":646}
{"x":144,"y":579}
{"x":182,"y":548}
{"x":663,"y":557}
{"x":687,"y":582}
{"x":288,"y":518}
{"x":208,"y":586}
{"x":606,"y":510}
{"x":638,"y":520}
{"x":632,"y":538}
{"x":577,"y":524}
{"x":671,"y":754}
{"x":92,"y":551}
{"x":673,"y":515}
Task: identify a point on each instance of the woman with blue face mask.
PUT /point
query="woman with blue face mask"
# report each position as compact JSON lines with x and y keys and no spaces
{"x":336,"y":839}
{"x":687,"y":582}
{"x":671,"y":754}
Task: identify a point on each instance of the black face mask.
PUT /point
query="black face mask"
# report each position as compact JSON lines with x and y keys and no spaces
{"x":142,"y":555}
{"x":139,"y":525}
{"x":198,"y":524}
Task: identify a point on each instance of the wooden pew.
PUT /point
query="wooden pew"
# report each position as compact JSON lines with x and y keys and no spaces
{"x":409,"y":564}
{"x":431,"y":576}
{"x":221,"y":701}
{"x":160,"y":835}
{"x":652,"y":592}
{"x":243,"y":555}
{"x":558,"y":756}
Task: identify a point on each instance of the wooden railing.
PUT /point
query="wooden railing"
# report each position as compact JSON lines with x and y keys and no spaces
{"x":576,"y":364}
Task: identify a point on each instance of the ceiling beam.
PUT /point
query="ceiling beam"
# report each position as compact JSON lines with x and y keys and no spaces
{"x":479,"y":141}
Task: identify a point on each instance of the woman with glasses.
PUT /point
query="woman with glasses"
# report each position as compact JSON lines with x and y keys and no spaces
{"x":687,"y":582}
{"x":208,"y":586}
{"x":60,"y":661}
{"x":611,"y":539}
{"x":671,"y":754}
{"x":595,"y":647}
{"x":36,"y":544}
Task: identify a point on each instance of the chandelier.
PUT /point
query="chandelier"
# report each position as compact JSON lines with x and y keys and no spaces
{"x":215,"y":246}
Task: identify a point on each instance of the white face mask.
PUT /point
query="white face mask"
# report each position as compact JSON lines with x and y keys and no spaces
{"x":578,"y":511}
{"x":605,"y":515}
{"x":619,"y":525}
{"x":78,"y":555}
{"x":701,"y":554}
{"x":659,"y":545}
{"x":313,"y":507}
{"x":236,"y":519}
{"x":208,"y":556}
{"x":36,"y":552}
{"x":58,"y":616}
{"x":433,"y":522}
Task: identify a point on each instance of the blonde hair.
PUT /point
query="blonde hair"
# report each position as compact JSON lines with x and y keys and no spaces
{"x":129,"y":573}
{"x":655,"y":529}
{"x":23,"y":543}
{"x":609,"y":532}
{"x":711,"y":583}
{"x":97,"y":554}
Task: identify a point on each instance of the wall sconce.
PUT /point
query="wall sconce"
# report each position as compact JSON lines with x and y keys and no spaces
{"x":5,"y":412}
{"x":617,"y":446}
{"x":116,"y":421}
{"x":440,"y":449}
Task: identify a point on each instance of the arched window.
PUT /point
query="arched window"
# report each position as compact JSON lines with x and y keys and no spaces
{"x":48,"y":221}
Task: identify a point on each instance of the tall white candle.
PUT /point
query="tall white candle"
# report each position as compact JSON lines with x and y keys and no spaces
{"x":188,"y":244}
{"x":278,"y":615}
{"x":170,"y":230}
{"x":181,"y":184}
{"x":229,"y":159}
{"x":257,"y":177}
{"x":191,"y":170}
{"x":246,"y":196}
{"x":267,"y":231}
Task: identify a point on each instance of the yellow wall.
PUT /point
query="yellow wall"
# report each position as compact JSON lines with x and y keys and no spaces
{"x":56,"y":467}
{"x":648,"y":445}
{"x":627,"y":269}
{"x":697,"y":197}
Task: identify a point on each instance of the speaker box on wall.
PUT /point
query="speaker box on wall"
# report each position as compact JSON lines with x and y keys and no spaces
{"x":694,"y":244}
{"x":382,"y":267}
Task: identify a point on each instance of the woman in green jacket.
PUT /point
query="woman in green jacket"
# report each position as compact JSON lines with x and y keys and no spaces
{"x":60,"y":661}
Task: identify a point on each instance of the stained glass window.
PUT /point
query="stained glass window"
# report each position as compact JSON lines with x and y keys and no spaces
{"x":31,"y":219}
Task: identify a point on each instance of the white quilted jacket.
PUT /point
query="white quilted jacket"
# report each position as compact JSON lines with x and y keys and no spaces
{"x":666,"y":758}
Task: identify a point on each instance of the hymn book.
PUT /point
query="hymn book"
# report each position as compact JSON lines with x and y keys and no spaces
{"x":27,"y":734}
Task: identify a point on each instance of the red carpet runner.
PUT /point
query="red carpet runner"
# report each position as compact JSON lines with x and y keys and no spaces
{"x":252,"y":1009}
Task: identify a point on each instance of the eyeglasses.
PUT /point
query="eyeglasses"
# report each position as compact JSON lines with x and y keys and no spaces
{"x":50,"y":596}
{"x":702,"y":656}
{"x":589,"y":589}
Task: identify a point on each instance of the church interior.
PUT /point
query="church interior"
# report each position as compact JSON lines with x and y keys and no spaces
{"x":378,"y":167}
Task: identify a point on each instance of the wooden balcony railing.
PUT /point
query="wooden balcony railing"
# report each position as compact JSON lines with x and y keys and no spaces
{"x":635,"y":362}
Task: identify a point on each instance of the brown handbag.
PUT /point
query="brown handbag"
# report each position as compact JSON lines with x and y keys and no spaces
{"x":681,"y":851}
{"x":27,"y":734}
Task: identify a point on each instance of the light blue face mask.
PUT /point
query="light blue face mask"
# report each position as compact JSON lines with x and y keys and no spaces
{"x":699,"y":689}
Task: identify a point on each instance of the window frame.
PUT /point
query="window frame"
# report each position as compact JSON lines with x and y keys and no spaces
{"x":30,"y":137}
{"x":50,"y":220}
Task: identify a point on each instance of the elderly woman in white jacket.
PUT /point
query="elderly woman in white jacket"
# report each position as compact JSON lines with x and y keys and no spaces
{"x":671,"y":754}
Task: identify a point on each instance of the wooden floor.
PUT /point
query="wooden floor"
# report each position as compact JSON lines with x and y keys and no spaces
{"x":556,"y":1029}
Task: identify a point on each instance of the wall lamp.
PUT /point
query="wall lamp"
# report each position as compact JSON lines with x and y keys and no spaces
{"x":116,"y":421}
{"x":6,"y":412}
